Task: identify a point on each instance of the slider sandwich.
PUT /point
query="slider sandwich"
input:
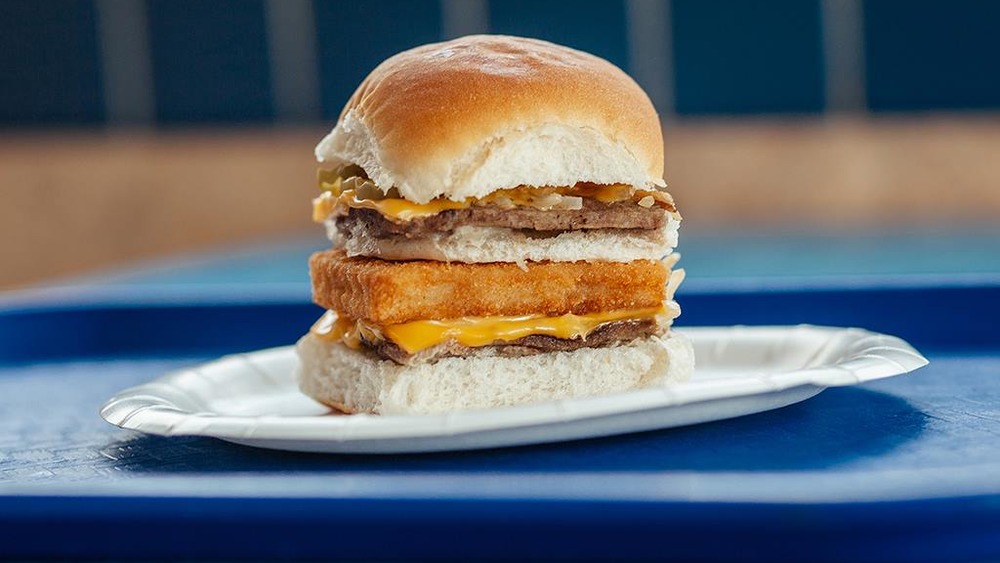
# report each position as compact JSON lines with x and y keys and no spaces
{"x":501,"y":235}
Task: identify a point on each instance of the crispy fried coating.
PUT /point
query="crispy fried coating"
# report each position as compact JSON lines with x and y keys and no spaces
{"x":385,"y":292}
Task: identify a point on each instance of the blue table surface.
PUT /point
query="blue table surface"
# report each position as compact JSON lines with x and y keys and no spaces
{"x":930,"y":436}
{"x":897,"y":427}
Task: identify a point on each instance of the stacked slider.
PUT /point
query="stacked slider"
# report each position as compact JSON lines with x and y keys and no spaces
{"x":500,"y":232}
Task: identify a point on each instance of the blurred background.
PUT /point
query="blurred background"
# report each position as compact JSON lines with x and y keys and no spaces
{"x":172,"y":139}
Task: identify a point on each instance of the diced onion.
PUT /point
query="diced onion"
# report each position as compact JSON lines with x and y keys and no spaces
{"x":569,"y":202}
{"x":546,"y":201}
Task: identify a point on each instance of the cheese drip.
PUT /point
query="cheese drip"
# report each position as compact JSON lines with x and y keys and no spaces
{"x":478,"y":331}
{"x":362,"y":194}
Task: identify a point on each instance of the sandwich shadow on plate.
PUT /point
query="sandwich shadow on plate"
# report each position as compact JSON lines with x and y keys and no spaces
{"x":835,"y":428}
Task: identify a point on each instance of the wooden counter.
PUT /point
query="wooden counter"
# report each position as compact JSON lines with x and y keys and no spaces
{"x":78,"y":201}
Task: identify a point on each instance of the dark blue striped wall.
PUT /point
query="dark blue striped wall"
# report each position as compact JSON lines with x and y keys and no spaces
{"x":210,"y":60}
{"x":49,"y":69}
{"x":353,"y":37}
{"x":747,"y":57}
{"x":932,"y":54}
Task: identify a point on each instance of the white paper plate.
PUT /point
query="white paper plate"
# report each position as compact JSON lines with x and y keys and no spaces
{"x":253,"y":399}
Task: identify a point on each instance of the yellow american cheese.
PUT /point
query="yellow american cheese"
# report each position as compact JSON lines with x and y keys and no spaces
{"x":472,"y":331}
{"x":398,"y":208}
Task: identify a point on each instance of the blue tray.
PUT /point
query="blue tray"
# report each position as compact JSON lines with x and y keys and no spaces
{"x":902,"y":469}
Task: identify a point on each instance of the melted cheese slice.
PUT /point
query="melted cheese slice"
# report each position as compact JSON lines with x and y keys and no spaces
{"x":392,"y":207}
{"x":476,"y":331}
{"x":398,"y":208}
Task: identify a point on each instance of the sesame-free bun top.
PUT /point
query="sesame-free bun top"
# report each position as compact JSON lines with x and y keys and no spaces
{"x":466,"y":117}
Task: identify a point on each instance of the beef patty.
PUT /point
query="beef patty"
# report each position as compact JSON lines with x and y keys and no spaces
{"x":593,"y":215}
{"x":604,"y":335}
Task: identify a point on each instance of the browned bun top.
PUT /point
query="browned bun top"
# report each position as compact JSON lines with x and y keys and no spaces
{"x":455,"y":118}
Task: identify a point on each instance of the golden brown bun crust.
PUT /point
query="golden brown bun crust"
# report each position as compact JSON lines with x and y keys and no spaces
{"x":480,"y":81}
{"x":396,"y":292}
{"x":434,"y":103}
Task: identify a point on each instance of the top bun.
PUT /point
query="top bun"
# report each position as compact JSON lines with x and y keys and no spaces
{"x":467,"y":117}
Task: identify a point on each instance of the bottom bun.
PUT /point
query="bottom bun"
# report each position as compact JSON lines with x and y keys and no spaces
{"x":355,"y":381}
